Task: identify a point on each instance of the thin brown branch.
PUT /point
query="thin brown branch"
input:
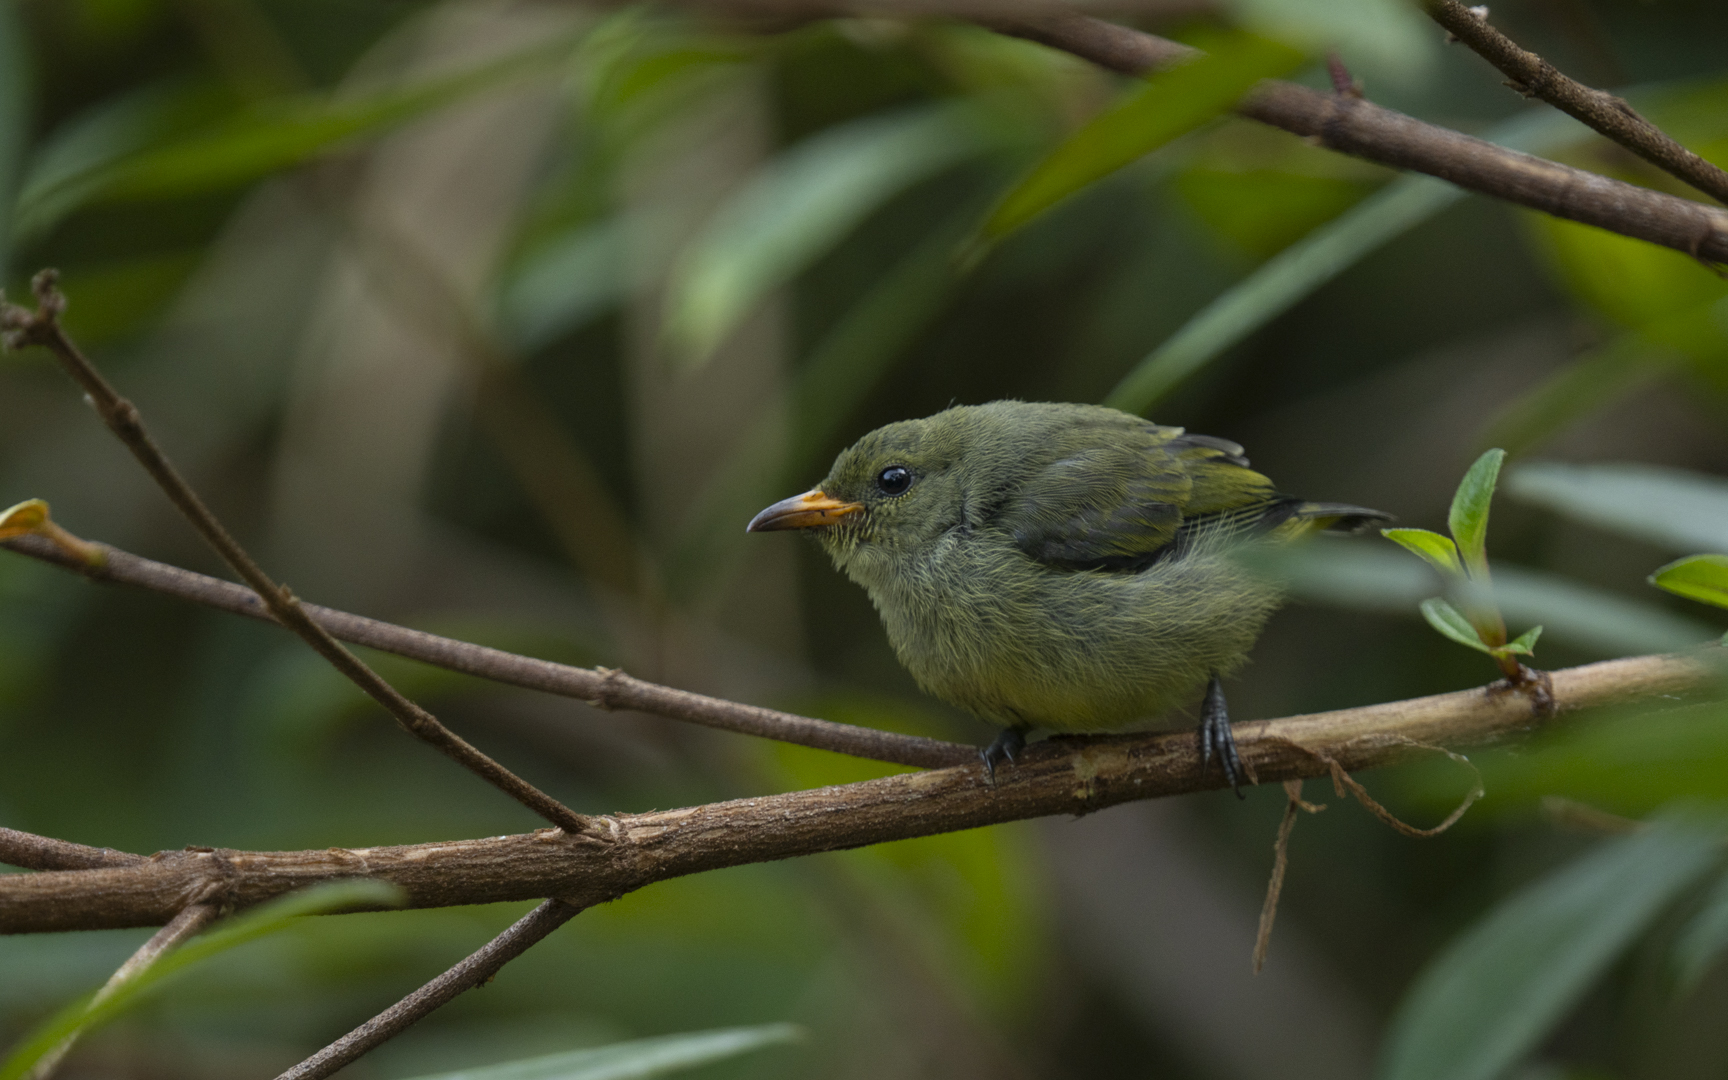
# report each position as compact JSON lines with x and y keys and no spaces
{"x":42,"y":853}
{"x":188,"y":924}
{"x":603,"y":687}
{"x":474,"y":971}
{"x":42,"y":327}
{"x":1611,"y":116}
{"x":617,"y":854}
{"x":1362,"y":129}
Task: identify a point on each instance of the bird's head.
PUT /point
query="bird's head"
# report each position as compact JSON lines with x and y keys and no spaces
{"x":893,"y":490}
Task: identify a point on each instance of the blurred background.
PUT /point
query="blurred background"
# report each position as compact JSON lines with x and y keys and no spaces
{"x":501,"y":319}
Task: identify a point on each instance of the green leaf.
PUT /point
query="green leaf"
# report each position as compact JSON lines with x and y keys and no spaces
{"x":1499,"y":988}
{"x":266,"y":919}
{"x":1371,"y":577}
{"x":1436,"y":550}
{"x":1468,"y":519}
{"x":1524,"y":643}
{"x":639,"y":1059}
{"x":274,"y":135}
{"x":1446,"y":619}
{"x":1172,"y":102}
{"x":1590,"y":383}
{"x":1300,"y":269}
{"x":15,"y":94}
{"x":567,"y":281}
{"x":1671,"y":508}
{"x":797,"y":208}
{"x":1697,"y":577}
{"x":1702,"y":940}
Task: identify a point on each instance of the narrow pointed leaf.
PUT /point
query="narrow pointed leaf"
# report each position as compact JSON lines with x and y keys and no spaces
{"x":1673,"y":508}
{"x":1173,"y":102}
{"x":639,"y":1059}
{"x":15,"y":80}
{"x":798,"y":208}
{"x":1697,"y":577}
{"x":1436,"y":550}
{"x":1499,"y":989}
{"x":1446,"y":619}
{"x":1703,"y":939}
{"x":1469,"y":517}
{"x":273,"y":136}
{"x":1303,"y":267}
{"x":266,"y":919}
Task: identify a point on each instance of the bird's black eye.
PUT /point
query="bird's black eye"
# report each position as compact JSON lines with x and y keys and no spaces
{"x":894,"y":480}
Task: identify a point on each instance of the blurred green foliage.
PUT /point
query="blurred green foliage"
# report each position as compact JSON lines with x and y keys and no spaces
{"x":501,"y":321}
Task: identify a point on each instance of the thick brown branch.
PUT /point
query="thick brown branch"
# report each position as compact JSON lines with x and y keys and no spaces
{"x":617,"y":854}
{"x":1610,"y":115}
{"x":42,"y":327}
{"x":1362,"y":129}
{"x":606,"y":688}
{"x":471,"y":972}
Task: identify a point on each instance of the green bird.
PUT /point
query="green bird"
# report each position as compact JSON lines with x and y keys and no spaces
{"x":1065,"y":567}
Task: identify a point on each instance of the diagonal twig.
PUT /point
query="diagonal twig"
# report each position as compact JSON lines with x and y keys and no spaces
{"x":42,"y":327}
{"x":474,"y":971}
{"x":604,"y":688}
{"x":1611,"y":116}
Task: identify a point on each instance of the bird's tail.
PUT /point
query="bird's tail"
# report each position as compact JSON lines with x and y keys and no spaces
{"x":1311,"y":517}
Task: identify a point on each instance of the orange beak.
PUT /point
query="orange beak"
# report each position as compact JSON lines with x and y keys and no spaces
{"x":811,"y":510}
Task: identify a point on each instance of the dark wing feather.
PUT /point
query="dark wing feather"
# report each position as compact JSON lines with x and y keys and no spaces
{"x":1120,"y":496}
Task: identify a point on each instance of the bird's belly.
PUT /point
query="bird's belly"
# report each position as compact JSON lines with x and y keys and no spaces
{"x":1022,"y":645}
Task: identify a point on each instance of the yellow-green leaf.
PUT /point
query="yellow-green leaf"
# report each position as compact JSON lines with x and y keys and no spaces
{"x":1696,"y":577}
{"x":1436,"y":550}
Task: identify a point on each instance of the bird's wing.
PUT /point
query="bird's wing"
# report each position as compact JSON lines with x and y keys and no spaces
{"x":1116,"y":497}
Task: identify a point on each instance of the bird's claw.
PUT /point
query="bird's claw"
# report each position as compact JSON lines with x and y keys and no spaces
{"x":1006,"y":746}
{"x":1215,"y":737}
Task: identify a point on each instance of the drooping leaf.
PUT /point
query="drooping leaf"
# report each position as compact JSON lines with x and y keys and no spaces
{"x":1436,"y":550}
{"x":1303,"y":267}
{"x":1468,"y":518}
{"x":639,"y":1059}
{"x":267,"y":919}
{"x":1697,"y":577}
{"x":1172,"y":102}
{"x":1487,"y":1001}
{"x":797,"y":208}
{"x":1672,"y":508}
{"x":1445,"y":618}
{"x":1703,"y":939}
{"x":566,"y":282}
{"x":273,"y":136}
{"x":1589,"y":383}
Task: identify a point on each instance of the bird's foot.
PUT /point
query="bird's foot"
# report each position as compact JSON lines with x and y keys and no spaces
{"x":1006,"y":746}
{"x":1215,"y":737}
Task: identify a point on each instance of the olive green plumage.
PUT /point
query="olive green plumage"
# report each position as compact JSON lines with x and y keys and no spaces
{"x":1067,"y":567}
